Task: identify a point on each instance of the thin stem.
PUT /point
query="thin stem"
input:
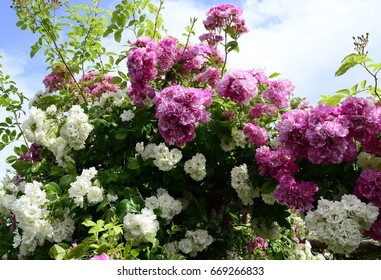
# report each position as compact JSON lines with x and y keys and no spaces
{"x":374,"y":75}
{"x":156,"y":17}
{"x":19,"y":127}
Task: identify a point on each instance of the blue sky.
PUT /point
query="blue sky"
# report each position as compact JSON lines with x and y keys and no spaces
{"x":304,"y":40}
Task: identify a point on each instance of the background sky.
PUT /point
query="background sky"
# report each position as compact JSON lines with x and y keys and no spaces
{"x":304,"y":40}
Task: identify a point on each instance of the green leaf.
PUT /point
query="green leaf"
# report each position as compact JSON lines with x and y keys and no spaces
{"x":350,"y":61}
{"x":274,"y":75}
{"x":89,"y":223}
{"x":363,"y":84}
{"x":118,"y":35}
{"x":21,"y":165}
{"x":11,"y":159}
{"x":133,"y":163}
{"x":116,"y":80}
{"x":268,"y":187}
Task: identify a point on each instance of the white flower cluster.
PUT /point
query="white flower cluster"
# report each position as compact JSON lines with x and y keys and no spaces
{"x":30,"y":211}
{"x":241,"y":183}
{"x":140,"y":227}
{"x":194,"y":242}
{"x":163,"y":158}
{"x":110,"y":100}
{"x":369,"y":161}
{"x":303,"y":252}
{"x":42,"y":128}
{"x":340,"y":224}
{"x":238,"y":139}
{"x":83,"y":187}
{"x":168,"y":206}
{"x":127,"y":115}
{"x":7,"y":197}
{"x":195,"y":167}
{"x":76,"y":128}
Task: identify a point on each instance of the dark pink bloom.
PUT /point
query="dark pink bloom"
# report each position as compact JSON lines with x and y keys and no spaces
{"x":239,"y":86}
{"x":298,"y":196}
{"x":258,"y":242}
{"x":58,"y":79}
{"x":368,"y":187}
{"x":178,"y":110}
{"x":375,"y":230}
{"x":275,"y":163}
{"x":256,"y":135}
{"x":278,"y":92}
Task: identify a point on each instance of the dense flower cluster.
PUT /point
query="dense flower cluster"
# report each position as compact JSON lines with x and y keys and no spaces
{"x":179,"y":110}
{"x":257,"y":243}
{"x":168,"y":206}
{"x":275,"y":163}
{"x":96,"y":84}
{"x":196,"y":167}
{"x":31,"y":214}
{"x":238,"y":85}
{"x":83,"y":187}
{"x":58,"y":79}
{"x":298,"y":196}
{"x":340,"y":224}
{"x":163,"y":158}
{"x":256,"y":135}
{"x":141,"y":227}
{"x":240,"y":181}
{"x":195,"y":241}
{"x":42,"y":128}
{"x":368,"y":189}
{"x":221,"y":17}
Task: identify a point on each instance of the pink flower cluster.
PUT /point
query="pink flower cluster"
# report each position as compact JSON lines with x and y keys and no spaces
{"x":58,"y":79}
{"x":368,"y":189}
{"x":275,"y":163}
{"x":298,"y":196}
{"x":256,"y":135}
{"x":96,"y":84}
{"x":364,"y":122}
{"x":141,"y":64}
{"x":178,"y":110}
{"x":238,"y":85}
{"x":260,"y":109}
{"x":225,"y":16}
{"x":258,"y":242}
{"x":280,"y":165}
{"x":278,"y":91}
{"x":320,"y":134}
{"x":101,"y":257}
{"x":149,"y":60}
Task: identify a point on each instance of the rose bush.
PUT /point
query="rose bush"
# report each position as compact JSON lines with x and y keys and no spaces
{"x":177,"y":157}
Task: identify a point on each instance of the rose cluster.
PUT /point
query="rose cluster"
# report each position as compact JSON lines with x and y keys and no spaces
{"x":179,"y":109}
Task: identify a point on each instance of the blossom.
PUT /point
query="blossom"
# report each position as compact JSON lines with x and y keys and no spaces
{"x":340,"y":224}
{"x":298,"y":196}
{"x":195,"y":242}
{"x":178,"y":110}
{"x":278,"y":92}
{"x":58,"y":79}
{"x":195,"y":167}
{"x":223,"y":16}
{"x":258,"y":242}
{"x":166,"y":53}
{"x":241,"y":183}
{"x":275,"y":163}
{"x":128,"y":115}
{"x":368,"y":187}
{"x":97,"y":84}
{"x":101,"y":257}
{"x":239,"y":86}
{"x":257,"y":135}
{"x":169,"y":207}
{"x":140,"y":227}
{"x":76,"y":129}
